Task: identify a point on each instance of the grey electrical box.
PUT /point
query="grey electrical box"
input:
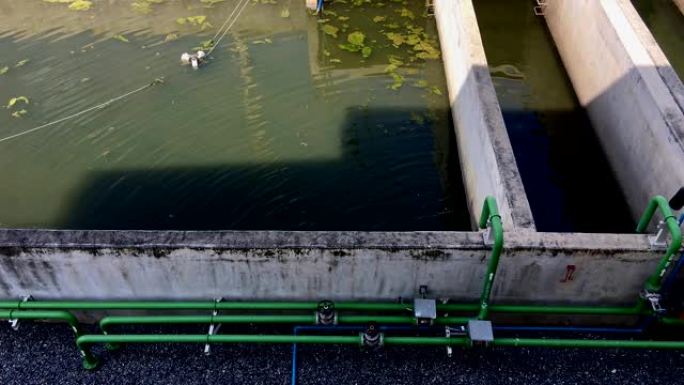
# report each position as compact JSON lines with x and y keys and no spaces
{"x":480,"y":332}
{"x":425,"y":309}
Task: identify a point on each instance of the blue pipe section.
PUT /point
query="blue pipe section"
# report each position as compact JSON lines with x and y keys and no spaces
{"x":337,"y":328}
{"x":548,"y":329}
{"x":319,"y":6}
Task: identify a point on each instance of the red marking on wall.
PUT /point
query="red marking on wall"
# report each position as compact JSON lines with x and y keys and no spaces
{"x":569,"y":273}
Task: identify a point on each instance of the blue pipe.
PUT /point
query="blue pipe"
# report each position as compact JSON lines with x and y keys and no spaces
{"x":553,"y":329}
{"x":336,"y":328}
{"x":319,"y":6}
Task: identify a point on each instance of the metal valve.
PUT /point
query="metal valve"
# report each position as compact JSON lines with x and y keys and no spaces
{"x":326,"y":314}
{"x":372,"y":338}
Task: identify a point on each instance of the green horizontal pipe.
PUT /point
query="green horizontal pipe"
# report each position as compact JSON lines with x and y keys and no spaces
{"x":44,"y":315}
{"x":585,"y":310}
{"x":672,"y":321}
{"x":91,"y":362}
{"x":441,"y":341}
{"x":312,"y":306}
{"x":198,"y":305}
{"x":107,"y":322}
{"x":158,"y":305}
{"x":575,"y":343}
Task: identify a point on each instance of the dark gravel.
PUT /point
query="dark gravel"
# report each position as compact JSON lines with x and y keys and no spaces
{"x":45,"y":354}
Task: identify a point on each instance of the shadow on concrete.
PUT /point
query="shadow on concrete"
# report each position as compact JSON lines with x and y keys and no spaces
{"x":566,"y":175}
{"x":398,"y":172}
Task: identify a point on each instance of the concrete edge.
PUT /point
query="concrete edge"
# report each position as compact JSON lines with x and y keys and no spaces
{"x":487,"y":160}
{"x":665,"y":70}
{"x":252,"y":240}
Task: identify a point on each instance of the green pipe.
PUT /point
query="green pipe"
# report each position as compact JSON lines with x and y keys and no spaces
{"x":570,"y":343}
{"x":49,"y":315}
{"x":312,"y":306}
{"x":585,"y":310}
{"x":107,"y":322}
{"x":198,"y":305}
{"x":91,"y":362}
{"x":671,"y":321}
{"x":44,"y":315}
{"x":490,"y":216}
{"x":654,"y":282}
{"x":441,"y":341}
{"x":158,"y":305}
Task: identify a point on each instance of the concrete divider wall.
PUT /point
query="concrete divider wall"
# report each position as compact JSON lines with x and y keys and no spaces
{"x":635,"y":114}
{"x":608,"y":269}
{"x":680,"y":4}
{"x":667,"y":73}
{"x":487,"y":161}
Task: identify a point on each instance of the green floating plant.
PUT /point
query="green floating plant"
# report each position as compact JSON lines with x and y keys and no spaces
{"x":13,"y":101}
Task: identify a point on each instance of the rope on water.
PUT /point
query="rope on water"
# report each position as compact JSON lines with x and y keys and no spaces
{"x":93,"y":108}
{"x":238,"y":8}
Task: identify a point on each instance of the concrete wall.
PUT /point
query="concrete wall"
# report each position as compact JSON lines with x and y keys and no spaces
{"x":631,"y":105}
{"x":318,"y":265}
{"x":656,"y":54}
{"x":680,"y":4}
{"x":487,"y":161}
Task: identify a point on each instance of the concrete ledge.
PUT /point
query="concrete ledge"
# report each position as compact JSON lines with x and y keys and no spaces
{"x":628,"y":92}
{"x":680,"y":4}
{"x":487,"y":161}
{"x":608,"y":269}
{"x":665,"y":70}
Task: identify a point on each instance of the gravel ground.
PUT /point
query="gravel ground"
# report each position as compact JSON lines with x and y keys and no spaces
{"x":45,"y":354}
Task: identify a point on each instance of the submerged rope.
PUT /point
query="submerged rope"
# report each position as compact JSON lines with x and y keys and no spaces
{"x":237,"y":11}
{"x":239,"y":8}
{"x":93,"y":108}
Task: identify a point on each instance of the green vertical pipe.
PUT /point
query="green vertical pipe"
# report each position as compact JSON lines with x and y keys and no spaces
{"x":654,"y":282}
{"x":490,"y":216}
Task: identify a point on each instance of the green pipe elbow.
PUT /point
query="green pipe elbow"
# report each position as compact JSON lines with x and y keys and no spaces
{"x":654,"y":282}
{"x":490,"y":216}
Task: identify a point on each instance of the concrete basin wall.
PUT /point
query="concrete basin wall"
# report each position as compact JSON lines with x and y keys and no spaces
{"x":680,"y":4}
{"x":487,"y":161}
{"x":627,"y":90}
{"x":535,"y":267}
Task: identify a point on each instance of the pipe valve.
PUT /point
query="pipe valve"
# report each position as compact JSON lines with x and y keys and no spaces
{"x":326,"y":314}
{"x":372,"y":338}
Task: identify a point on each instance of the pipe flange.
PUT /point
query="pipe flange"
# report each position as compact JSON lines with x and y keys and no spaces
{"x":326,"y":314}
{"x":372,"y":338}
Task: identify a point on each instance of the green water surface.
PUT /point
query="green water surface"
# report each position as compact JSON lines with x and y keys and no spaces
{"x":282,"y":129}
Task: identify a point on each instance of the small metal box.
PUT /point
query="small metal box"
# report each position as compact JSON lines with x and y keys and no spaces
{"x":480,"y":331}
{"x":425,"y":308}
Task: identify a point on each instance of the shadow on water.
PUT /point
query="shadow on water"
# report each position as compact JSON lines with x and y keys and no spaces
{"x":383,"y":181}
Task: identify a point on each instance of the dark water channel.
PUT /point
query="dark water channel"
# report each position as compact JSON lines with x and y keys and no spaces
{"x":569,"y":183}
